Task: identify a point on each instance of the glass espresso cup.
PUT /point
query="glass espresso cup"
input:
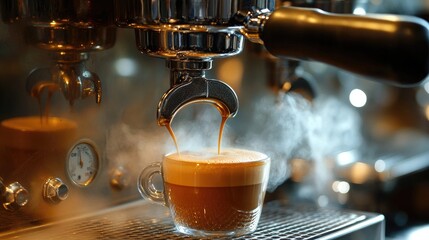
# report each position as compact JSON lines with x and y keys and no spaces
{"x":210,"y":194}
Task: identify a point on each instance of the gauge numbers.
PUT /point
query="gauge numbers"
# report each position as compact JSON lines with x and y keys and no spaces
{"x":83,"y":163}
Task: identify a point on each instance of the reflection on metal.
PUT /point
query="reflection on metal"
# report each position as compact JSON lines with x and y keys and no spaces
{"x":15,"y":196}
{"x":189,"y":85}
{"x":55,"y":190}
{"x":142,"y":220}
{"x":69,"y":75}
{"x":71,"y":30}
{"x":198,"y":31}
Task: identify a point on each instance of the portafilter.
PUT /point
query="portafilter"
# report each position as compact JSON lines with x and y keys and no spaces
{"x":189,"y":34}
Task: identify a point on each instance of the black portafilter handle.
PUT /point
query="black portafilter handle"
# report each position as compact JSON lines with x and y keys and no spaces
{"x":389,"y":48}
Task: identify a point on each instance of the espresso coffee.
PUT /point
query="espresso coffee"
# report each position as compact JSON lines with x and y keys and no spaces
{"x":214,"y":192}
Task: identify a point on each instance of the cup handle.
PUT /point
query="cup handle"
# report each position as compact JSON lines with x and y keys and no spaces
{"x":146,"y":185}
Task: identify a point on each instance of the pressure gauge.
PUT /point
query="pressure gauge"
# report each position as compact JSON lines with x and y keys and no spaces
{"x":83,"y":163}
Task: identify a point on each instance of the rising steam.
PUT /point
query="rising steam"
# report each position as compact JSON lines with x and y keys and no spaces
{"x":283,"y":127}
{"x":295,"y":128}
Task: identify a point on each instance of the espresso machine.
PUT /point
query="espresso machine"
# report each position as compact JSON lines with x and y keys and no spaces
{"x":84,"y":184}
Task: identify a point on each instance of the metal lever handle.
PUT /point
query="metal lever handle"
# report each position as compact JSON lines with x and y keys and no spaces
{"x":393,"y":49}
{"x":198,"y":89}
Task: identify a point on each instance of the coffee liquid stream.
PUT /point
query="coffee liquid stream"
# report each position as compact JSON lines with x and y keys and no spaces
{"x":37,"y":92}
{"x":224,"y":111}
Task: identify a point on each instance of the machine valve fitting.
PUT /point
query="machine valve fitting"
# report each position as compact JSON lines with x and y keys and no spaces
{"x":13,"y":196}
{"x":55,"y":190}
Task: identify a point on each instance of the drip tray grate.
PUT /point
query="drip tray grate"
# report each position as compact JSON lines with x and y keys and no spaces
{"x":143,"y":220}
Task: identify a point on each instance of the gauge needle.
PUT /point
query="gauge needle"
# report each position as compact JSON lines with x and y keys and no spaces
{"x":80,"y":159}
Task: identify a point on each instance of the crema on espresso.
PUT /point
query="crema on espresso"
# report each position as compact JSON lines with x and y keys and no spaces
{"x":216,"y":192}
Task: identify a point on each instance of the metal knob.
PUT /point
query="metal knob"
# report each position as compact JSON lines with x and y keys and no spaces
{"x":14,"y":196}
{"x":55,"y":191}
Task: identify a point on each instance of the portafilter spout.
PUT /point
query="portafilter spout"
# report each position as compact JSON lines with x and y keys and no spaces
{"x":189,"y":85}
{"x":70,"y":76}
{"x":70,"y":30}
{"x":392,"y":49}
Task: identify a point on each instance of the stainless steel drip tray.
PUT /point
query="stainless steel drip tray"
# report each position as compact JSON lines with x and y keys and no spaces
{"x":144,"y":220}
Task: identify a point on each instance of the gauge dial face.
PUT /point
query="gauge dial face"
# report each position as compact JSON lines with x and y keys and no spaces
{"x":83,"y":163}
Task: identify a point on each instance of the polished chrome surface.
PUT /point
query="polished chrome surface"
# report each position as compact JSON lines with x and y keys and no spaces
{"x":189,"y":34}
{"x":71,"y":38}
{"x":186,"y":41}
{"x":15,"y":197}
{"x":70,"y":76}
{"x":161,"y":15}
{"x":187,"y":29}
{"x":183,"y":70}
{"x":66,"y":26}
{"x":142,"y":220}
{"x":73,"y":12}
{"x":197,"y":90}
{"x":124,"y":91}
{"x":293,"y":32}
{"x":55,"y":190}
{"x":140,"y":13}
{"x":253,"y":22}
{"x":189,"y":85}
